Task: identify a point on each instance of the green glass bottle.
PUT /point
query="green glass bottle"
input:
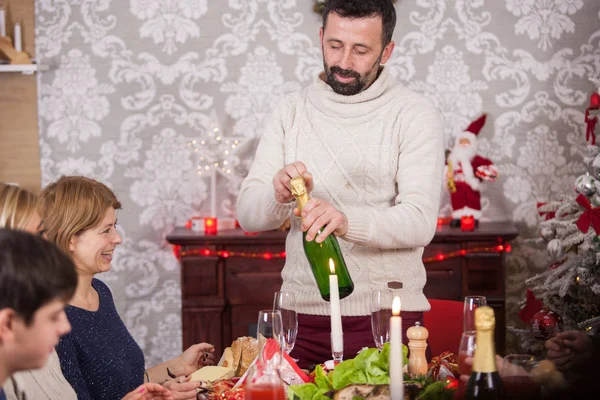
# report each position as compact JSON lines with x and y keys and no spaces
{"x":321,"y":255}
{"x":485,"y":381}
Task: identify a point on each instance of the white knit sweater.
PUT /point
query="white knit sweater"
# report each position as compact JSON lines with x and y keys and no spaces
{"x":376,"y":156}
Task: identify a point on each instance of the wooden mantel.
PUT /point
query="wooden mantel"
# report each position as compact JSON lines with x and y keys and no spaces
{"x":221,"y":296}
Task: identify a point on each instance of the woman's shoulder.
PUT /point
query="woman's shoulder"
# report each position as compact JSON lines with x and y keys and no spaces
{"x":102,"y":288}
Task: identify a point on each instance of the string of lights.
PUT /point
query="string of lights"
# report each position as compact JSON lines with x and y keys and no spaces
{"x":501,"y":248}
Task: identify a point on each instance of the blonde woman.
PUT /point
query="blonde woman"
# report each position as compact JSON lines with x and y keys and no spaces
{"x":99,"y":356}
{"x":19,"y":211}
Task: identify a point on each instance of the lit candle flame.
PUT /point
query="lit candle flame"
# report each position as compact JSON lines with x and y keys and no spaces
{"x":331,"y":266}
{"x":396,"y":306}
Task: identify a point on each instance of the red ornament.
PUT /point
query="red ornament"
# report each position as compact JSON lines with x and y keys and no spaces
{"x":545,"y":324}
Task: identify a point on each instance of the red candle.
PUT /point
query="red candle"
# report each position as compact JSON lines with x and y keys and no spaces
{"x":467,"y":223}
{"x":210,"y":226}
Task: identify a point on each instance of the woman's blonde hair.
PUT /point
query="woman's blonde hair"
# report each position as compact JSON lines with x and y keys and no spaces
{"x":17,"y":205}
{"x":72,"y":205}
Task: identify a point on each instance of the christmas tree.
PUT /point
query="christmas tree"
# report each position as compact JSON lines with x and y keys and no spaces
{"x":567,"y":295}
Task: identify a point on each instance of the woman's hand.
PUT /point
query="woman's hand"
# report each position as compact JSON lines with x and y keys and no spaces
{"x":182,"y":388}
{"x":149,"y":391}
{"x":194,"y":358}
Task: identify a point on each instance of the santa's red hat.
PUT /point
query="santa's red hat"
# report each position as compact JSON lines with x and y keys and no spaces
{"x":476,"y":125}
{"x":472,"y":131}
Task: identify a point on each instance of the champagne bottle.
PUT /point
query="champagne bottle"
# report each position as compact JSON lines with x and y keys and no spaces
{"x":320,"y":254}
{"x":485,"y":381}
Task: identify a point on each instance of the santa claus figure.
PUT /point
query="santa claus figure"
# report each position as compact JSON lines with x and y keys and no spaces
{"x":466,"y":171}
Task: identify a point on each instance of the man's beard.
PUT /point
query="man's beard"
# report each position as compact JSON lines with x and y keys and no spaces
{"x":356,"y":86}
{"x":462,"y":154}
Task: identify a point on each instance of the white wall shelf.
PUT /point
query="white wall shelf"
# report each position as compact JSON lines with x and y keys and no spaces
{"x":25,"y":69}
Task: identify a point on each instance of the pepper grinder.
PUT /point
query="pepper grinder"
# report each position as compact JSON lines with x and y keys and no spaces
{"x":417,"y":344}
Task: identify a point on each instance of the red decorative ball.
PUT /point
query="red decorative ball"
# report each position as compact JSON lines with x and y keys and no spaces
{"x":545,"y":324}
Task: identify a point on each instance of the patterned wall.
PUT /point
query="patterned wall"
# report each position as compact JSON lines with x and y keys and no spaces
{"x":133,"y":83}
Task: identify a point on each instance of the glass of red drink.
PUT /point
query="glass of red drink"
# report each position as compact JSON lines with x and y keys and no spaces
{"x":265,"y":391}
{"x":516,"y":376}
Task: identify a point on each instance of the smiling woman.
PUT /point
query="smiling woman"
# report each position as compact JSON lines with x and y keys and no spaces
{"x":99,"y":357}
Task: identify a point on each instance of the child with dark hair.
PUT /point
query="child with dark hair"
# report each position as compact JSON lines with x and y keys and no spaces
{"x":36,"y":281}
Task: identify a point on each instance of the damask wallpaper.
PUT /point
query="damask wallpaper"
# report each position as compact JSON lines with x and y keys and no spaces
{"x":132,"y":84}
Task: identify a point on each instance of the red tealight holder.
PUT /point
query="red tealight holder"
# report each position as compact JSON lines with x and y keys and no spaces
{"x":467,"y":223}
{"x":210,"y":226}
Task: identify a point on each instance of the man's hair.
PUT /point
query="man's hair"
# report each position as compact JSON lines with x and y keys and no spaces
{"x":362,"y":9}
{"x":17,"y":205}
{"x":33,"y":272}
{"x":72,"y":205}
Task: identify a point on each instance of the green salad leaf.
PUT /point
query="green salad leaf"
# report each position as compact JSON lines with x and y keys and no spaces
{"x":370,"y":366}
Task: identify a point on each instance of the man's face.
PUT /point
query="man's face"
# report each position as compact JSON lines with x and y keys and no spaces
{"x":35,"y":342}
{"x":352,"y":52}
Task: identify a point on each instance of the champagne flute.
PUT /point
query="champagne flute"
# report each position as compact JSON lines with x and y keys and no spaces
{"x":381,"y":311}
{"x":285,"y":303}
{"x":466,"y":349}
{"x":516,"y":376}
{"x":471,"y":304}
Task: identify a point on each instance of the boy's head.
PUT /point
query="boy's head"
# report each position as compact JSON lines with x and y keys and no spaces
{"x":36,"y":281}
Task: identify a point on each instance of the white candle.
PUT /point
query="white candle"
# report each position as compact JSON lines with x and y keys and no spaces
{"x":2,"y":22}
{"x":337,"y":339}
{"x":18,"y":46}
{"x":213,"y":193}
{"x":396,"y":367}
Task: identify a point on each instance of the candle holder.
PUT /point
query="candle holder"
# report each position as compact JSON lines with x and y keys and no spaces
{"x":210,"y":226}
{"x":337,"y":348}
{"x":14,"y":56}
{"x":467,"y":223}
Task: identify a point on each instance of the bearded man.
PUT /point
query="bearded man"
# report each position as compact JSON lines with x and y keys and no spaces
{"x":466,"y":170}
{"x":371,"y":152}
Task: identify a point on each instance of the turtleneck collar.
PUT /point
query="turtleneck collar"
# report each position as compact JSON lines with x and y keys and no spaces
{"x":322,"y":96}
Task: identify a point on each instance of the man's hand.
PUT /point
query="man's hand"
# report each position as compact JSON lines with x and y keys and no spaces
{"x":281,"y":181}
{"x":569,"y":349}
{"x":318,"y":213}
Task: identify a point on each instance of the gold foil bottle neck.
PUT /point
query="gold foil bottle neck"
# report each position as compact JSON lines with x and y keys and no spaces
{"x":485,"y":352}
{"x":298,"y":186}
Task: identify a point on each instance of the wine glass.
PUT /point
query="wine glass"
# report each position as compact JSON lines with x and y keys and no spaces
{"x":270,"y":327}
{"x":471,"y":304}
{"x":516,"y":377}
{"x":285,"y":303}
{"x":381,"y":311}
{"x":466,"y":349}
